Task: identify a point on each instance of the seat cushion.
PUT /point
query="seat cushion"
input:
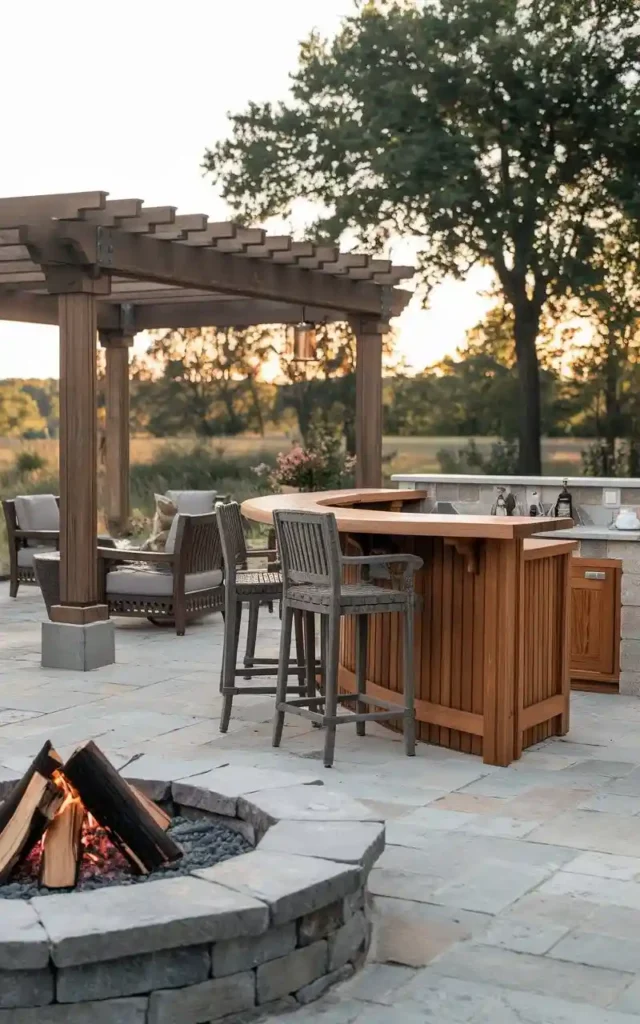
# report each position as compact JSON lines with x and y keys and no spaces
{"x":27,"y":555}
{"x":37,"y":512}
{"x":193,"y":503}
{"x":148,"y":582}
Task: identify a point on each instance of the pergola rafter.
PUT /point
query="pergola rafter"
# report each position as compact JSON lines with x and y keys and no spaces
{"x":89,"y":263}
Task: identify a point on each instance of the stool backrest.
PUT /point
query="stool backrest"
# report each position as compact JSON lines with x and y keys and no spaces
{"x":309,"y":547}
{"x":234,"y":545}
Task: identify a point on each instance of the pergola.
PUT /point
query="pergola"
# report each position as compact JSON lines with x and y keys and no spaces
{"x":114,"y":267}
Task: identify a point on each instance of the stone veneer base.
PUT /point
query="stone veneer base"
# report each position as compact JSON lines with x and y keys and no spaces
{"x":268,"y":930}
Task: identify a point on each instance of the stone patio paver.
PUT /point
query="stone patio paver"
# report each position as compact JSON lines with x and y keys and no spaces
{"x":505,"y":895}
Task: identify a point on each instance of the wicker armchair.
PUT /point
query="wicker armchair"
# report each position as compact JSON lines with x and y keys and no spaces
{"x":33,"y":527}
{"x":174,"y":586}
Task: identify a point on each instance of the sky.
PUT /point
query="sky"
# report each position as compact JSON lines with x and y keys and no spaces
{"x":124,"y":97}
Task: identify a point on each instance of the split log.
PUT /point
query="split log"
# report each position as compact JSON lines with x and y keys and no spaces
{"x":36,"y":808}
{"x":62,"y":847}
{"x":45,"y":763}
{"x":111,"y":801}
{"x":160,"y":817}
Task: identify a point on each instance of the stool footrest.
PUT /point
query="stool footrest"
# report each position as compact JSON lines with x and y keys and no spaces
{"x":238,"y":691}
{"x":366,"y":699}
{"x":297,"y":707}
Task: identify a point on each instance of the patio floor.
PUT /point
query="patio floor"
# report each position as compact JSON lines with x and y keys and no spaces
{"x":505,"y":895}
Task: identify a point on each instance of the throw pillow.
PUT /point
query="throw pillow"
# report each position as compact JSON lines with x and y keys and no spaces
{"x":165,"y":513}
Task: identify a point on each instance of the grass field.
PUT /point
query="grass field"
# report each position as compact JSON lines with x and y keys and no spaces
{"x":405,"y":454}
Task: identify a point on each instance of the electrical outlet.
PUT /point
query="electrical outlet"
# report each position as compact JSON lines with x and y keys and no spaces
{"x":611,"y":498}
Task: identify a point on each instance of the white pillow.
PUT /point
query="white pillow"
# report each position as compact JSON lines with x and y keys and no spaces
{"x":170,"y":542}
{"x":193,"y":503}
{"x":37,"y":512}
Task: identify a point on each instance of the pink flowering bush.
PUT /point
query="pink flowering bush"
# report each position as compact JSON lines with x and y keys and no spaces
{"x":321,"y":465}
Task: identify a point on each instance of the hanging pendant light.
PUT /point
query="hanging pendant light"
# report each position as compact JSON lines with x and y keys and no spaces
{"x":304,"y":342}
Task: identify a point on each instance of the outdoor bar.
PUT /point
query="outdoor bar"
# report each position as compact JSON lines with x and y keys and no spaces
{"x":491,"y":638}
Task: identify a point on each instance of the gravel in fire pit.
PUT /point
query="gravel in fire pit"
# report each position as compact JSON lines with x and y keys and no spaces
{"x":204,"y":842}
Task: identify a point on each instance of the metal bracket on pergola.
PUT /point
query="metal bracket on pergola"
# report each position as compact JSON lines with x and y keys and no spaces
{"x":89,"y":263}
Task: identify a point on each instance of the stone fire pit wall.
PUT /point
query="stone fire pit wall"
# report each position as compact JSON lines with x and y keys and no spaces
{"x":260,"y":933}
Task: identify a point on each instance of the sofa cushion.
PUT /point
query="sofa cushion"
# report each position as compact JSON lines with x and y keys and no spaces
{"x":147,"y":582}
{"x":37,"y":512}
{"x":27,"y":555}
{"x":193,"y":503}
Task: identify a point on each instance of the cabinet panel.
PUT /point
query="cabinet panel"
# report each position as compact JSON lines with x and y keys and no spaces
{"x":595,"y":619}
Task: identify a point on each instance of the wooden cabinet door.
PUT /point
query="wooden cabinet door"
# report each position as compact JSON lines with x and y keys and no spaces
{"x":595,"y":619}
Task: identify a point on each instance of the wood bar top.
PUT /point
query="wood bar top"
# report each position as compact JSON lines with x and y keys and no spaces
{"x":352,"y":517}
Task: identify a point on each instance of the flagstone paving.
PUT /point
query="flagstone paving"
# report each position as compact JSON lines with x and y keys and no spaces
{"x":509,"y":896}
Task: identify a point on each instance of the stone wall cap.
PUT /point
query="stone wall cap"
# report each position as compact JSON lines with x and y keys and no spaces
{"x":291,"y":885}
{"x":530,"y":481}
{"x":23,"y":940}
{"x":121,"y":920}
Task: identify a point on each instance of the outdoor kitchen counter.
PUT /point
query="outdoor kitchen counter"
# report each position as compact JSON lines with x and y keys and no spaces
{"x":491,"y":647}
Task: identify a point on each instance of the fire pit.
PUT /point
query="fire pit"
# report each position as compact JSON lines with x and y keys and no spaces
{"x":279,"y":917}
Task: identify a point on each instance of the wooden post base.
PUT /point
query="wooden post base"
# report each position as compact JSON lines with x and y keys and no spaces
{"x":74,"y":615}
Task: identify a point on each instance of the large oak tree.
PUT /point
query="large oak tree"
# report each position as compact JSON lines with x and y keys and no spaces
{"x":499,"y":132}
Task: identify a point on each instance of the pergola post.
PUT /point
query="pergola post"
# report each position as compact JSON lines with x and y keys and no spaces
{"x":369,"y":334}
{"x":116,"y":345}
{"x":79,"y":635}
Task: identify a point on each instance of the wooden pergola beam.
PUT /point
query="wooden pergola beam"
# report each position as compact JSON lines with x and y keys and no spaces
{"x":149,"y":258}
{"x":227,"y":313}
{"x":27,"y":209}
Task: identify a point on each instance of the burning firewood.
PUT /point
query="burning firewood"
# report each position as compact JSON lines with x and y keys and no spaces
{"x":69,"y":803}
{"x":36,"y":807}
{"x":119,"y":810}
{"x":62,"y":846}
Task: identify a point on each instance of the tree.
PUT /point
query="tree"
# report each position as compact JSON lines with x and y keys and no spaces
{"x":493,"y":130}
{"x":19,"y":414}
{"x":607,"y":370}
{"x":203,"y":380}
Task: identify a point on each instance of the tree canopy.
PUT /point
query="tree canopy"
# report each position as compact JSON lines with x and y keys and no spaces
{"x":498,"y":132}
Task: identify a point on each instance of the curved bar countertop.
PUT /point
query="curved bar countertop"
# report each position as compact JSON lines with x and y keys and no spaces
{"x":491,"y":639}
{"x":353,"y":517}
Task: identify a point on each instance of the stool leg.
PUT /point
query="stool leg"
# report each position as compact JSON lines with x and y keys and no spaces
{"x":298,"y":620}
{"x":252,"y":633}
{"x":331,"y":704}
{"x":283,"y":668}
{"x":324,"y":620}
{"x":310,"y":652}
{"x":362,"y":637}
{"x":229,"y":658}
{"x":409,"y":724}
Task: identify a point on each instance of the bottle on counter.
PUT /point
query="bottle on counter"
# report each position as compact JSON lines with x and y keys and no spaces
{"x":563,"y":508}
{"x":500,"y":504}
{"x":535,"y":508}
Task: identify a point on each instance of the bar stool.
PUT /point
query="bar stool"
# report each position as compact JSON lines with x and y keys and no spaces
{"x":255,"y":588}
{"x":309,"y":546}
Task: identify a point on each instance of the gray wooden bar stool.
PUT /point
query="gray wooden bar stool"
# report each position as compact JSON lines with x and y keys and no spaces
{"x":309,"y":546}
{"x":255,"y":587}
